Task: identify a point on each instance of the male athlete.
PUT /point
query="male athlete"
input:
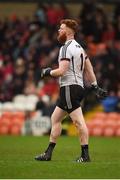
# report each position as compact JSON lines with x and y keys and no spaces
{"x":73,"y":66}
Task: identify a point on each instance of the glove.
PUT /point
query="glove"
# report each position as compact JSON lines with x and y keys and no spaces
{"x":45,"y":72}
{"x":99,"y":92}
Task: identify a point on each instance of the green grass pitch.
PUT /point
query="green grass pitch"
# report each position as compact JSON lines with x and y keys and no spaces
{"x":17,"y":158}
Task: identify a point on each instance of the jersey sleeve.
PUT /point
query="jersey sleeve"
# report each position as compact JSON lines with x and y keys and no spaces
{"x":66,"y":53}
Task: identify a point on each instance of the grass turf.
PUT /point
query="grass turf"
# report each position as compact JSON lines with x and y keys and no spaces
{"x":17,"y":158}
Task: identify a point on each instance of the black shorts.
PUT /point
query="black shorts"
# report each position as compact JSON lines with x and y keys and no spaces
{"x":70,"y":97}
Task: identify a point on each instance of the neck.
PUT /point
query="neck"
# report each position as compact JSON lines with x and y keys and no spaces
{"x":70,"y":37}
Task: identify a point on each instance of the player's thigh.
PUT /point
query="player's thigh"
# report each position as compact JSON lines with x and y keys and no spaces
{"x":77,"y":116}
{"x":57,"y":115}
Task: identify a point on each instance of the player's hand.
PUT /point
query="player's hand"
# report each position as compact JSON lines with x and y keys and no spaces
{"x":45,"y":72}
{"x":99,"y":92}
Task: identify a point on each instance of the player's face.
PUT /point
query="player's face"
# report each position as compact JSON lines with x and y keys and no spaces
{"x":62,"y":33}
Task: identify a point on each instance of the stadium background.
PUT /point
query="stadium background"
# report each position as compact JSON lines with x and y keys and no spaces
{"x":27,"y":44}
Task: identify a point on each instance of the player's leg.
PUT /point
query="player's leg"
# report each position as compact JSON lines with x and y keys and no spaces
{"x":56,"y":119}
{"x":78,"y":120}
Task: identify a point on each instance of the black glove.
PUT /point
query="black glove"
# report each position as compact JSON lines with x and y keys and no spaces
{"x":99,"y":92}
{"x":45,"y":72}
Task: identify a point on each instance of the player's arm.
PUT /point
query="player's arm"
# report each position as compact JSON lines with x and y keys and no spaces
{"x":90,"y":75}
{"x":60,"y":71}
{"x":65,"y":57}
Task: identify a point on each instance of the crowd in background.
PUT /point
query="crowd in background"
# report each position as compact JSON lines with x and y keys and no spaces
{"x":27,"y":46}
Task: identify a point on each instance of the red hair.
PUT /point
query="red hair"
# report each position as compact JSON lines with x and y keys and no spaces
{"x":73,"y":24}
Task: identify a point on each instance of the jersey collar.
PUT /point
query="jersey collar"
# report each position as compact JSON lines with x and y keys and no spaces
{"x":69,"y":40}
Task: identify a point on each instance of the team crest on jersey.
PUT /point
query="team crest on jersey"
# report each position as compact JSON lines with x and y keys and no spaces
{"x":77,"y":45}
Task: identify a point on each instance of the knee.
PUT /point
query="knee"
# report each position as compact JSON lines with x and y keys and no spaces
{"x":81,"y":126}
{"x":77,"y":124}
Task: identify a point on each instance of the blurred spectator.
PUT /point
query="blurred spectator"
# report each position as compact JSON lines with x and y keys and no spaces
{"x":28,"y":45}
{"x":108,"y":35}
{"x":87,"y":16}
{"x":41,"y":14}
{"x":111,"y":102}
{"x":50,"y":88}
{"x":99,"y":24}
{"x":117,"y":10}
{"x":52,"y":17}
{"x":56,"y":13}
{"x":30,"y":86}
{"x":117,"y":28}
{"x":118,"y":102}
{"x":19,"y":76}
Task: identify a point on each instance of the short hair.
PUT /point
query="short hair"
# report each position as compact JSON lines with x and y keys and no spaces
{"x":73,"y":24}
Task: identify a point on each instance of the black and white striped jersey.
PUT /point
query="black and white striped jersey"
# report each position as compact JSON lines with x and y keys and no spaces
{"x":73,"y":52}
